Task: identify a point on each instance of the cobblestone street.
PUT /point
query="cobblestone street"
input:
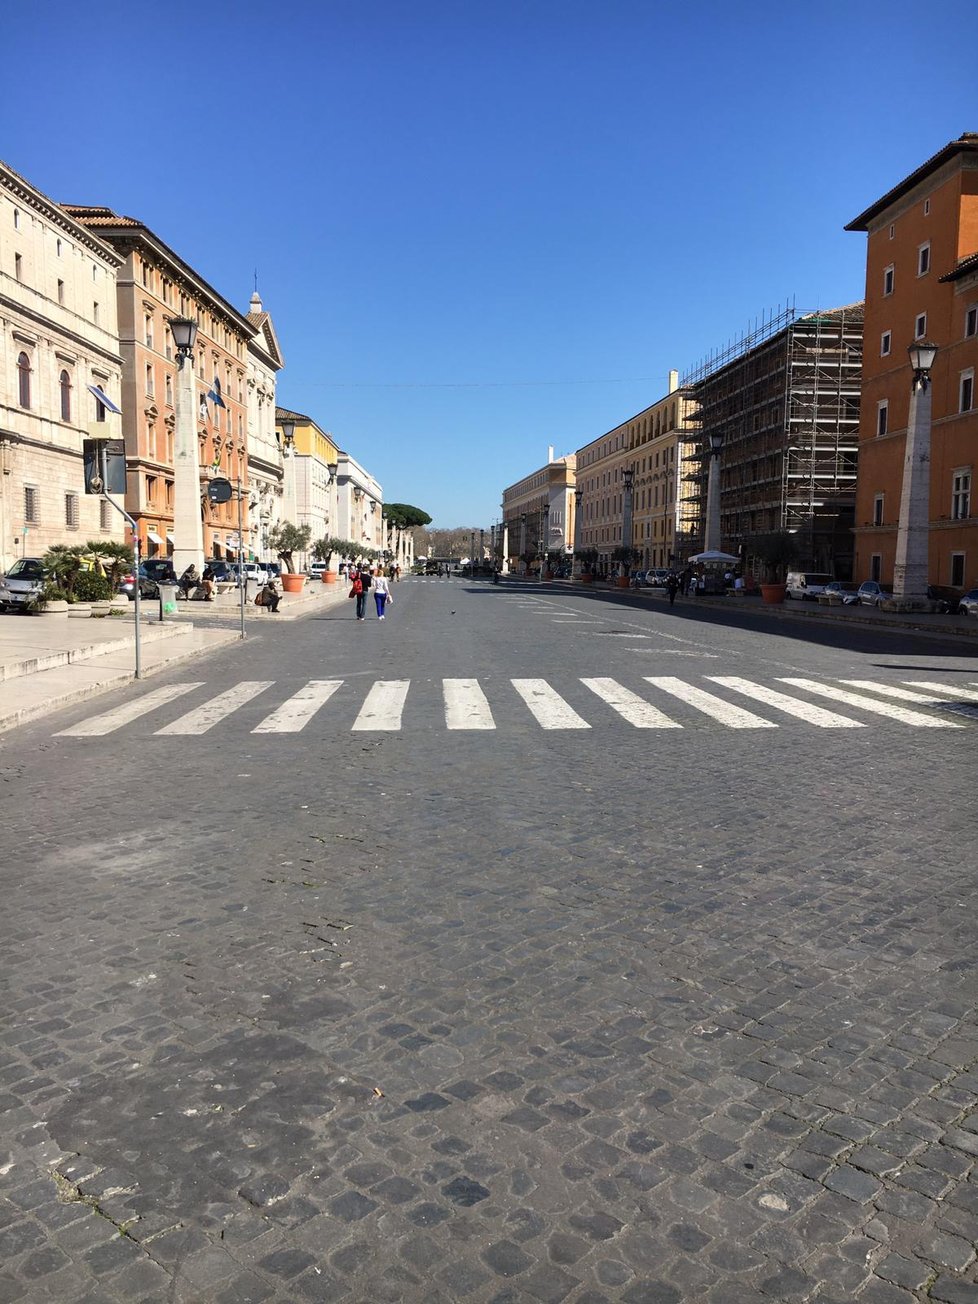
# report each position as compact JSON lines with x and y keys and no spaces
{"x":520,"y":1012}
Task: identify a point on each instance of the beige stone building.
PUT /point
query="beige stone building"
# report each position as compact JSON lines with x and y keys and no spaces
{"x":650,"y":445}
{"x":58,"y":336}
{"x":154,"y":285}
{"x":266,"y":471}
{"x":538,"y":514}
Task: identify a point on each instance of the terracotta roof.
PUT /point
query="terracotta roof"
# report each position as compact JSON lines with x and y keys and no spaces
{"x":284,"y":414}
{"x":965,"y":265}
{"x":93,"y":215}
{"x":967,"y":143}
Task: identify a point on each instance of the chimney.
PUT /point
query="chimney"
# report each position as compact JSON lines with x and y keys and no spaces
{"x":673,"y":381}
{"x":550,"y":453}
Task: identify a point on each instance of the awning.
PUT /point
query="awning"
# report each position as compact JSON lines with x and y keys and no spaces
{"x":169,"y":538}
{"x":153,"y":538}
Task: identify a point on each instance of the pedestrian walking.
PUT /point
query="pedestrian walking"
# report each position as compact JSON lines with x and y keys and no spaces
{"x":397,"y":574}
{"x":672,"y":588}
{"x":356,"y":591}
{"x":382,"y":592}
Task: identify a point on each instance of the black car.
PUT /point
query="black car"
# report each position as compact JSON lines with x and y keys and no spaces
{"x":221,"y":572}
{"x":947,"y":599}
{"x":151,"y":571}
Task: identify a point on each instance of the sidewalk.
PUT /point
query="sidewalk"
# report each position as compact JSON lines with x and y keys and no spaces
{"x":965,"y":627}
{"x":47,"y":662}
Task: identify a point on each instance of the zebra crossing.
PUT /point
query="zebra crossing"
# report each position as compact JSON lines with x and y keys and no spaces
{"x":664,"y":702}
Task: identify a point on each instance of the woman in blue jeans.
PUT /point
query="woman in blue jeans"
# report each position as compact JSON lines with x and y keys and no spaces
{"x":382,"y":592}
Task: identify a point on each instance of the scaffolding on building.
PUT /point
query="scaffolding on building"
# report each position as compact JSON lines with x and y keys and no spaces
{"x":785,"y":402}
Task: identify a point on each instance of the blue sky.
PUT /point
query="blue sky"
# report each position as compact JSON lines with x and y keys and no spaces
{"x":482,"y":229}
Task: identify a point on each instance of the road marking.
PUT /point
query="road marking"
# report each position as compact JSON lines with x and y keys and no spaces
{"x":218,"y":708}
{"x":816,"y":715}
{"x":631,"y":707}
{"x":466,"y":706}
{"x":955,"y":691}
{"x":867,"y":704}
{"x":901,"y":694}
{"x":109,"y":721}
{"x":384,"y":704}
{"x":734,"y":717}
{"x":548,"y":707}
{"x":295,"y":713}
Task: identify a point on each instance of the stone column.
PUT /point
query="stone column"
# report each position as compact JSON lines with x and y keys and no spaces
{"x":188,"y":525}
{"x":910,"y":570}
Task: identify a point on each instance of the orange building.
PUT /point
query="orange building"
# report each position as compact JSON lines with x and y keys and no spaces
{"x":921,"y":282}
{"x":155,"y":284}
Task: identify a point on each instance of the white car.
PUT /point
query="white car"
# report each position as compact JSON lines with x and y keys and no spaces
{"x":806,"y":585}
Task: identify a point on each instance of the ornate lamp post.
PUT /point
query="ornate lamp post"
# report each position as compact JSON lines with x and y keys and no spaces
{"x":188,"y":526}
{"x":711,"y":534}
{"x":544,"y":539}
{"x":578,"y":531}
{"x":522,"y":543}
{"x":910,"y":570}
{"x":628,"y":479}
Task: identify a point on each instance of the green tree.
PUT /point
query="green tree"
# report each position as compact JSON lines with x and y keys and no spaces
{"x":116,"y":559}
{"x":323,"y":549}
{"x":64,"y":562}
{"x":285,"y":539}
{"x":777,"y":552}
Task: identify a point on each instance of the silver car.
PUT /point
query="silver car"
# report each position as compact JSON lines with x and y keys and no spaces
{"x":968,"y":605}
{"x":24,"y":579}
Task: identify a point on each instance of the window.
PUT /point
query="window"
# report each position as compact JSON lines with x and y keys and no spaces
{"x":886,"y":340}
{"x":151,"y":488}
{"x":892,"y":230}
{"x":100,"y":409}
{"x":957,"y":569}
{"x":878,"y":510}
{"x":888,"y":279}
{"x":923,"y":259}
{"x":150,"y":387}
{"x":926,"y":207}
{"x":16,"y":219}
{"x":31,"y":505}
{"x":58,"y":248}
{"x":65,"y":386}
{"x":882,"y":416}
{"x":24,"y":380}
{"x":18,"y":267}
{"x":876,"y":567}
{"x":169,"y":390}
{"x":920,"y":326}
{"x":71,"y":511}
{"x":148,"y":320}
{"x":104,"y":515}
{"x":61,"y":292}
{"x":966,"y":390}
{"x":961,"y":495}
{"x":971,"y":322}
{"x":94,"y":271}
{"x":95,"y":313}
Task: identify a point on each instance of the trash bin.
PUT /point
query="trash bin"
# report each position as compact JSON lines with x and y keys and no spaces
{"x":168,"y":598}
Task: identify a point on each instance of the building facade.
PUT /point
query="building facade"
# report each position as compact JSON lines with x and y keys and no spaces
{"x":359,"y":505}
{"x":783,"y":404}
{"x":58,"y":336}
{"x":265,"y":464}
{"x":539,"y":514}
{"x":649,"y":445}
{"x":154,"y":285}
{"x":921,"y":282}
{"x":310,"y":460}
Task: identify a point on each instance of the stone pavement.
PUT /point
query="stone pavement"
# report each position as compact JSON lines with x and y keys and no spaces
{"x":50,"y":661}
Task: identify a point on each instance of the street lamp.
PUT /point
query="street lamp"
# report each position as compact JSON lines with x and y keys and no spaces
{"x":522,"y":542}
{"x":188,"y":526}
{"x":711,"y":534}
{"x":628,"y":479}
{"x":544,"y":538}
{"x":577,"y":538}
{"x":910,"y":570}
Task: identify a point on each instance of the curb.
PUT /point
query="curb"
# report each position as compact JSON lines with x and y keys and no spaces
{"x":89,"y":652}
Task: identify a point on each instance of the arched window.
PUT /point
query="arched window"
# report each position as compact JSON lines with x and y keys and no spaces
{"x":24,"y":380}
{"x":65,"y":383}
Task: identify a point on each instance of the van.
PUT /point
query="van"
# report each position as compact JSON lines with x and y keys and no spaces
{"x":806,"y":585}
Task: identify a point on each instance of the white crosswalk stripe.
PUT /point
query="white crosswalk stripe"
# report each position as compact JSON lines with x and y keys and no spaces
{"x":915,"y":718}
{"x":384,"y":705}
{"x":294,"y":714}
{"x":109,"y":721}
{"x":734,"y":717}
{"x":218,"y":708}
{"x":816,"y":715}
{"x":547,"y":706}
{"x":465,"y":706}
{"x":629,"y":705}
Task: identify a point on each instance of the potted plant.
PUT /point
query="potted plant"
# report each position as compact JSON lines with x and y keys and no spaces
{"x":777,"y":552}
{"x":587,"y":557}
{"x":625,"y":556}
{"x":324,"y":549}
{"x":285,"y":540}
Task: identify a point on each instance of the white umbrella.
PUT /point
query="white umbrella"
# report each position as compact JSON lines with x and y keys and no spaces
{"x":714,"y":556}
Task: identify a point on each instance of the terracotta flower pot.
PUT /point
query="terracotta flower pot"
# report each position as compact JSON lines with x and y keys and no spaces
{"x":292,"y":583}
{"x":586,"y":578}
{"x":623,"y":582}
{"x":330,"y":577}
{"x":773,"y":594}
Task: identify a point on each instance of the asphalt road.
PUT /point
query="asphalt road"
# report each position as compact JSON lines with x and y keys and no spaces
{"x":530,"y":945}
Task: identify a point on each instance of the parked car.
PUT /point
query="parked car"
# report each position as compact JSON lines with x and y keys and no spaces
{"x":24,"y":579}
{"x":151,"y":572}
{"x":847,"y":590}
{"x":871,"y":593}
{"x":316,"y":569}
{"x":223,"y":572}
{"x":638,"y":579}
{"x":657,"y":577}
{"x":968,"y":605}
{"x":947,"y":599}
{"x":806,"y":585}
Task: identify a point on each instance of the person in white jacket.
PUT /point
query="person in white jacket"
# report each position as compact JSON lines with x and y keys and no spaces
{"x":382,"y":592}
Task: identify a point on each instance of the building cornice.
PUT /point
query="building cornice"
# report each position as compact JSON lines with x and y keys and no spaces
{"x":49,"y":327}
{"x":967,"y":143}
{"x":32,"y":198}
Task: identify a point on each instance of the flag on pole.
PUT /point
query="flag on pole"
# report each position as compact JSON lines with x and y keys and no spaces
{"x":214,"y":394}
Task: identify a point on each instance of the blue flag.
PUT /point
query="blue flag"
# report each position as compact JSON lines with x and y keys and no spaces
{"x":214,"y":394}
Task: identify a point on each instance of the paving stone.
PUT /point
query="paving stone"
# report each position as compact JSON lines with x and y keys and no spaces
{"x":950,"y":1290}
{"x":909,"y":1273}
{"x":506,"y":1259}
{"x":946,"y":1251}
